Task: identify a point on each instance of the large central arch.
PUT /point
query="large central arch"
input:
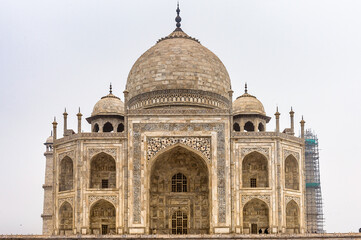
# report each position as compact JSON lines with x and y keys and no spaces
{"x":179,"y":191}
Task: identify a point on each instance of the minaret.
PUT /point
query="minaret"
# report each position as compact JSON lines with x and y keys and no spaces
{"x":79,"y":115}
{"x":54,"y":129}
{"x":292,"y":114}
{"x":277,"y":115}
{"x":302,"y":128}
{"x":48,"y":188}
{"x":65,"y":114}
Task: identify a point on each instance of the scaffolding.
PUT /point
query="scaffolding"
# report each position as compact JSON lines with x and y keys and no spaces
{"x":314,"y":206}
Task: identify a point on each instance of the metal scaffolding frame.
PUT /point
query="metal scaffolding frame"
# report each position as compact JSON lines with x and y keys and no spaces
{"x":314,"y":205}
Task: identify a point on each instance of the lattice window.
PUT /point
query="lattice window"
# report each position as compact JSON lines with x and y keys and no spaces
{"x":179,"y":183}
{"x":179,"y":223}
{"x":253,"y":182}
{"x":105,"y":183}
{"x":104,"y":229}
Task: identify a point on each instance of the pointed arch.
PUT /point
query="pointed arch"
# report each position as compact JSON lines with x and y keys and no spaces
{"x":180,"y":145}
{"x":255,"y":216}
{"x":188,"y":165}
{"x":292,"y":217}
{"x":65,"y":218}
{"x":292,"y":176}
{"x":108,"y":127}
{"x":96,"y":127}
{"x":255,"y":171}
{"x":260,"y":127}
{"x":102,"y":217}
{"x":102,"y":171}
{"x":66,"y":174}
{"x":236,"y":127}
{"x":249,"y":126}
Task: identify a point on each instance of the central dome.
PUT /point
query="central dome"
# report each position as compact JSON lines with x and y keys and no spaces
{"x":178,"y":68}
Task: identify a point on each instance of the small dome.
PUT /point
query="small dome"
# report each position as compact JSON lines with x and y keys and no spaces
{"x":248,"y":104}
{"x":108,"y":105}
{"x":49,"y":140}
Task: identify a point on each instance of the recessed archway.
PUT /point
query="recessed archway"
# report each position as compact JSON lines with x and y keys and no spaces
{"x":292,"y":217}
{"x":255,"y":216}
{"x":66,"y":174}
{"x":102,"y":171}
{"x":292,"y":177}
{"x":102,"y":218}
{"x":254,"y":171}
{"x":65,"y":219}
{"x":179,"y":169}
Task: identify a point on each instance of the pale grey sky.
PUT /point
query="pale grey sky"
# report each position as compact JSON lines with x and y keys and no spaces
{"x":56,"y":54}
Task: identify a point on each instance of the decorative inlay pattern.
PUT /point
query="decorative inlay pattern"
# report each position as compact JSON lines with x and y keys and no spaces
{"x":286,"y":153}
{"x":290,"y":198}
{"x":108,"y":135}
{"x":110,"y":198}
{"x":247,"y":198}
{"x":264,"y":151}
{"x":70,"y":200}
{"x":201,"y":144}
{"x":138,"y":128}
{"x":111,"y":151}
{"x":268,"y":134}
{"x":70,"y":154}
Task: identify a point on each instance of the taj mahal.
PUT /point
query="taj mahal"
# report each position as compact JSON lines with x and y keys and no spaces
{"x":180,"y":155}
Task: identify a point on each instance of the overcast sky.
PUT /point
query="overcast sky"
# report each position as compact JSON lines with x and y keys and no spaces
{"x":56,"y":54}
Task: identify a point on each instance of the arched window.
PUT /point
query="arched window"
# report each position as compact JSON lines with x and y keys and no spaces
{"x":102,"y":171}
{"x":249,"y":127}
{"x":179,"y":223}
{"x":292,"y":217}
{"x":96,"y":128}
{"x":254,"y":171}
{"x":65,"y":219}
{"x":255,"y":216}
{"x":261,"y":127}
{"x":102,"y":218}
{"x":66,"y":174}
{"x":108,"y":127}
{"x":236,"y":127}
{"x":292,"y":177}
{"x":179,"y":183}
{"x":120,"y":127}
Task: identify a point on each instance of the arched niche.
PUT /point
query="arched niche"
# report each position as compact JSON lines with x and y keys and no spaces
{"x":255,"y":216}
{"x":292,"y":176}
{"x":260,"y":127}
{"x":108,"y":127}
{"x":66,"y":174}
{"x":65,"y":219}
{"x":249,"y":127}
{"x":255,"y":171}
{"x":102,"y":218}
{"x":102,"y":171}
{"x":96,"y":127}
{"x":194,"y":202}
{"x":292,"y":217}
{"x":120,"y":127}
{"x":236,"y":127}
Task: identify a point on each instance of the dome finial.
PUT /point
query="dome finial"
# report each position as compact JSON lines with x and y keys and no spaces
{"x":178,"y":19}
{"x":245,"y":88}
{"x":110,"y":89}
